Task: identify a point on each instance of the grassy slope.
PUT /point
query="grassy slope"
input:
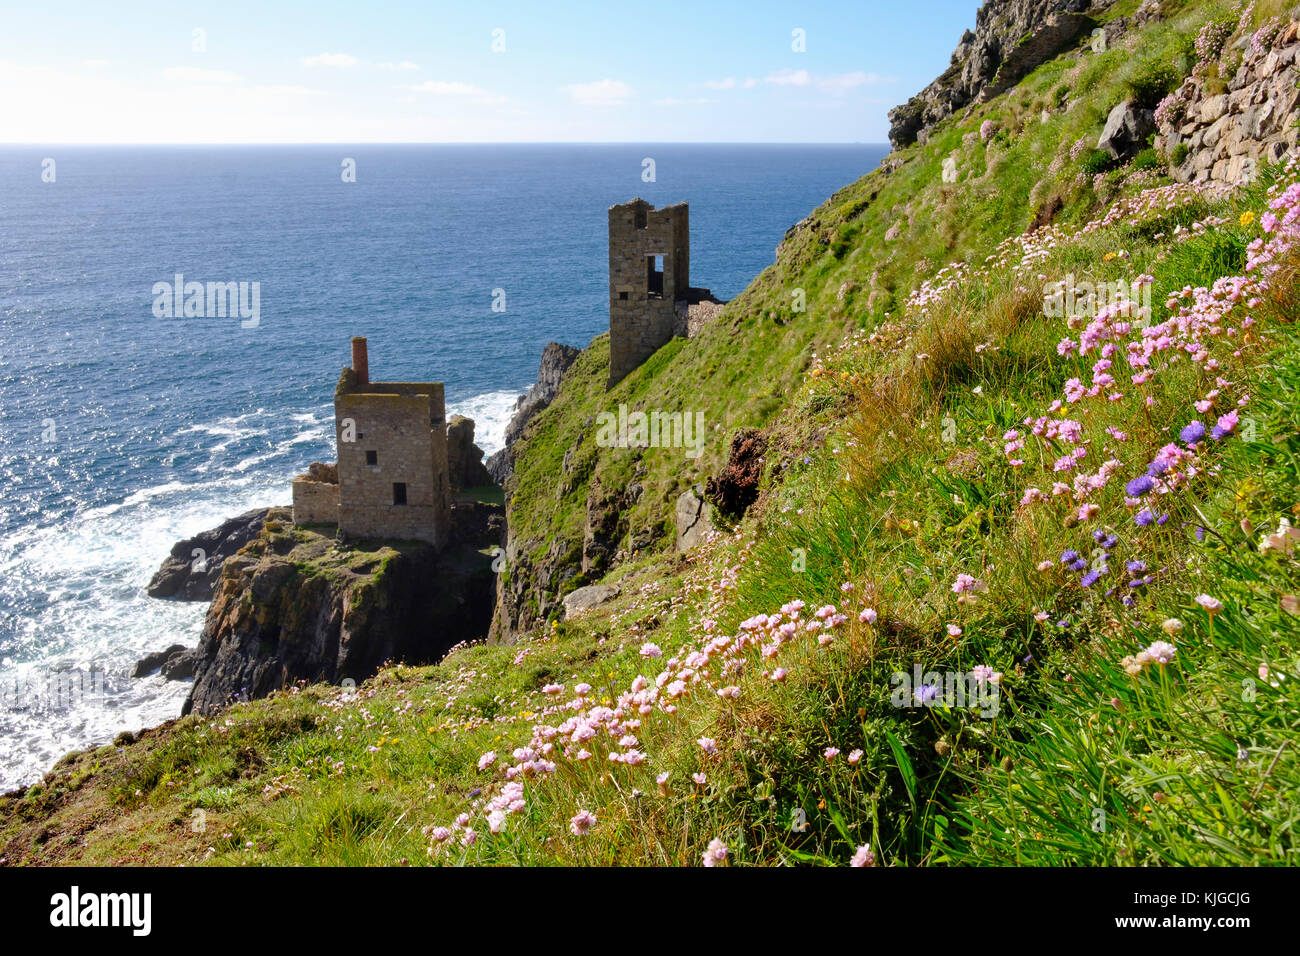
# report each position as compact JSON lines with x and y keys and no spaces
{"x":893,"y":479}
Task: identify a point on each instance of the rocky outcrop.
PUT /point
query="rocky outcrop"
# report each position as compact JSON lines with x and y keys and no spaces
{"x":193,"y":568}
{"x":1126,"y":130}
{"x":1011,"y":38}
{"x":582,"y":600}
{"x":556,"y":359}
{"x":736,"y":487}
{"x":294,"y":606}
{"x":464,"y":458}
{"x":693,"y":521}
{"x":1224,"y":136}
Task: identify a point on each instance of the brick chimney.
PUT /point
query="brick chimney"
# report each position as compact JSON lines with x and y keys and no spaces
{"x":360,"y":361}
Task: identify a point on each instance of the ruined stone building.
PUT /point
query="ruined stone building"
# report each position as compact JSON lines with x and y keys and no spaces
{"x":391,"y":481}
{"x":650,"y":294}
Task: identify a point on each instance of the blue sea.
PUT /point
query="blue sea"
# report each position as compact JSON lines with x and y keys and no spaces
{"x":122,"y":432}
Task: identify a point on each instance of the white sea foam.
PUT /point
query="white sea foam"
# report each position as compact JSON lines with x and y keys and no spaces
{"x":491,"y":412}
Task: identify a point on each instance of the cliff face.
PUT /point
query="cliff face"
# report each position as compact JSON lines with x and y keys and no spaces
{"x":296,"y":606}
{"x":1010,"y":38}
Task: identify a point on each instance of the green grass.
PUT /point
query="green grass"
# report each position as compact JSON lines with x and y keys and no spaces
{"x":886,"y":471}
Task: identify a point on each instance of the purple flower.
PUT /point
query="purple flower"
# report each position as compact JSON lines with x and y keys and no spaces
{"x":1110,"y":542}
{"x":925,"y":693}
{"x":1144,"y":518}
{"x":1129,"y":602}
{"x":1136,"y":567}
{"x":1069,"y":557}
{"x":1079,"y":565}
{"x":1162,"y":519}
{"x":1089,"y":579}
{"x":1139,"y":486}
{"x":1157,"y":468}
{"x":1099,"y":536}
{"x":1192,"y":433}
{"x":1200,"y":533}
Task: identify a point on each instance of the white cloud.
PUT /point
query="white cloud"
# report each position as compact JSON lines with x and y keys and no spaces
{"x":194,"y":74}
{"x":731,"y":83}
{"x":330,"y":59}
{"x":403,"y":65}
{"x":848,"y":81}
{"x":456,"y":89}
{"x":94,"y":64}
{"x":789,"y":77}
{"x":674,"y":101}
{"x":833,"y":83}
{"x":605,"y":92}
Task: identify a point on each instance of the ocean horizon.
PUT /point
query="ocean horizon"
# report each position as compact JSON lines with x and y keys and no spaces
{"x":126,"y":426}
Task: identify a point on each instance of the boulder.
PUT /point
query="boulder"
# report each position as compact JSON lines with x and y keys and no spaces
{"x":1126,"y":131}
{"x":151,"y":662}
{"x":693,"y":521}
{"x":585,"y":599}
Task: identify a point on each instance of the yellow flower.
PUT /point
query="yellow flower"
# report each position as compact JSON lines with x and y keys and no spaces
{"x":1107,"y":257}
{"x":1247,"y":218}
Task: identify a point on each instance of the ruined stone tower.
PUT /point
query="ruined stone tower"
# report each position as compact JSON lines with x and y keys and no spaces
{"x":392,"y":481}
{"x":649,"y":272}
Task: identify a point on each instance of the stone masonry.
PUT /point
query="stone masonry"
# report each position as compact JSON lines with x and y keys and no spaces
{"x":1229,"y":134}
{"x":649,"y":271}
{"x":392,"y":467}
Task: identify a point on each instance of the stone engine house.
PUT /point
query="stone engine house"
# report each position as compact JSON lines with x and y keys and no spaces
{"x":649,"y":272}
{"x":392,"y":474}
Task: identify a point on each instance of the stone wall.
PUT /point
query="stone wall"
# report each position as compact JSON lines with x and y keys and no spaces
{"x":402,"y":426}
{"x":315,"y":502}
{"x":1228,"y":134}
{"x":641,"y":319}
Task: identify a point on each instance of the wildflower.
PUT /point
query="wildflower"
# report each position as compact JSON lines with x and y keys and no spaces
{"x":982,"y":673}
{"x":716,"y":853}
{"x":699,"y":779}
{"x":830,"y":753}
{"x":1161,"y":652}
{"x":868,"y":616}
{"x":582,"y":690}
{"x":1172,"y":626}
{"x":581,"y":822}
{"x":708,"y":745}
{"x":487,"y":759}
{"x":1193,"y":433}
{"x":1212,"y":605}
{"x":954,"y":630}
{"x":854,"y":756}
{"x":1046,"y":565}
{"x":863,"y":856}
{"x":650,"y":649}
{"x":779,"y":674}
{"x":496,"y":820}
{"x":1139,"y":486}
{"x":553,"y":689}
{"x":1282,"y":540}
{"x":966,"y":583}
{"x":925,"y":694}
{"x":1089,"y":579}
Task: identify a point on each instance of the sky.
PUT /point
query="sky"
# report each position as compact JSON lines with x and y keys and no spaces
{"x":328,"y":71}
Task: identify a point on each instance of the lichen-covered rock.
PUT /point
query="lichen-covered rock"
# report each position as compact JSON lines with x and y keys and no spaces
{"x":297,"y":606}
